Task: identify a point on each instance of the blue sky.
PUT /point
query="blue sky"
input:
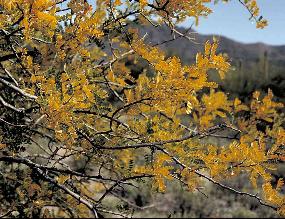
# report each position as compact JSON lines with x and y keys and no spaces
{"x":232,"y":20}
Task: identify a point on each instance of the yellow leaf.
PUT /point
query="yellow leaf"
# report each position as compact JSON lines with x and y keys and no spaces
{"x":207,"y":48}
{"x":256,"y":95}
{"x":2,"y":146}
{"x":280,"y":184}
{"x":117,"y":3}
{"x":62,"y":179}
{"x":129,"y":95}
{"x":189,"y":107}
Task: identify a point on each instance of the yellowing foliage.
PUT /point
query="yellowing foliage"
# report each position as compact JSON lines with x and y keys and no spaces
{"x":71,"y":67}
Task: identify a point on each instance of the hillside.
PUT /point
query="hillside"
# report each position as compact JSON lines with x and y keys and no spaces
{"x":255,"y":66}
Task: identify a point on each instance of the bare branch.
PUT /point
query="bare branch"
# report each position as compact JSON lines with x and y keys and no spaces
{"x":17,"y":89}
{"x":4,"y":103}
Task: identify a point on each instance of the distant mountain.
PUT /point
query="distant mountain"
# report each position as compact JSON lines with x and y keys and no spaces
{"x":187,"y":49}
{"x":255,"y":66}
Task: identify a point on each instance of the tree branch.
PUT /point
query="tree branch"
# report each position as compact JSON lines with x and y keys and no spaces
{"x":8,"y":84}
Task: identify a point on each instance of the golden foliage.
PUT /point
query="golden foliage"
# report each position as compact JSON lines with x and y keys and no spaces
{"x":91,"y":105}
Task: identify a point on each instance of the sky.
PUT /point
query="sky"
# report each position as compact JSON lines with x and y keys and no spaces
{"x":232,"y":20}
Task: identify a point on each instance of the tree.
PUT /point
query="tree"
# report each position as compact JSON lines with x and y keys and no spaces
{"x":67,"y":95}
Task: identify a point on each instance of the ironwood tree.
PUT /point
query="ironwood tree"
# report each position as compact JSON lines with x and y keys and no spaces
{"x":68,"y":95}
